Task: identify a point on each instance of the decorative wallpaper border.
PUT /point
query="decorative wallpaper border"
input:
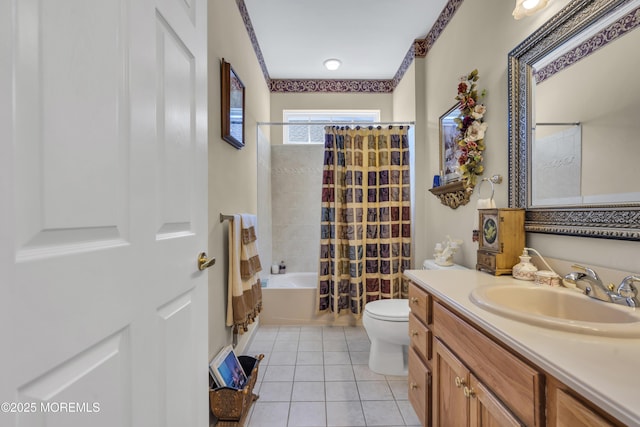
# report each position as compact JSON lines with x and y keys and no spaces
{"x":419,"y":49}
{"x":599,"y":40}
{"x":423,"y":46}
{"x":254,"y":40}
{"x":311,"y":85}
{"x":406,"y":63}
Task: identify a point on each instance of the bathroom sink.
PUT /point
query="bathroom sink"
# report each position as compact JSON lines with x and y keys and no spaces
{"x":559,"y":308}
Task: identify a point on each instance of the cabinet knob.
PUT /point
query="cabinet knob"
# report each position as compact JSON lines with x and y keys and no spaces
{"x":459,"y":382}
{"x":414,"y":333}
{"x":413,"y":386}
{"x":414,"y":300}
{"x":469,"y":392}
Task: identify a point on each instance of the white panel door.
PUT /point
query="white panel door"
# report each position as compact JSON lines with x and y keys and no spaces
{"x":103,"y":210}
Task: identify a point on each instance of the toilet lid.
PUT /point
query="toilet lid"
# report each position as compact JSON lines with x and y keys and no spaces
{"x":392,"y":310}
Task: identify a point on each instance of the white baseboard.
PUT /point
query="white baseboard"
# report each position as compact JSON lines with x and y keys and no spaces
{"x":244,"y":340}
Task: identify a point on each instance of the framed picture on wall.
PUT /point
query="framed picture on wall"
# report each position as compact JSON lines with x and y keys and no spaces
{"x":232,"y":94}
{"x":449,"y":149}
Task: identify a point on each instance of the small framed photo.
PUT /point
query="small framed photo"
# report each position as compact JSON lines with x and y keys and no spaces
{"x":449,"y":149}
{"x":226,"y":369}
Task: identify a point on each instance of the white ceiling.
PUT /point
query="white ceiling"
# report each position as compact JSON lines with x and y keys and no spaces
{"x":370,"y":37}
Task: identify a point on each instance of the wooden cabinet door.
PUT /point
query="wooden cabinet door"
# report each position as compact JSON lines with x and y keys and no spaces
{"x":485,"y":409}
{"x":451,"y":407}
{"x":570,"y":412}
{"x":419,"y":387}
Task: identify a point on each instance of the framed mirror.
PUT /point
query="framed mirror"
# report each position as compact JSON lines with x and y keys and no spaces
{"x":571,"y":122}
{"x":232,"y":106}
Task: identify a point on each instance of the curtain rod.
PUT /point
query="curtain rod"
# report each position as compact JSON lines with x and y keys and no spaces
{"x":334,"y":123}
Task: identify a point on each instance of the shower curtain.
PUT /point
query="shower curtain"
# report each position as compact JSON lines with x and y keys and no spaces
{"x":365,"y":241}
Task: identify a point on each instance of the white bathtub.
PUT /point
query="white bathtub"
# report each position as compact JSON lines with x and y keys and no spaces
{"x":290,"y":299}
{"x":292,"y":280}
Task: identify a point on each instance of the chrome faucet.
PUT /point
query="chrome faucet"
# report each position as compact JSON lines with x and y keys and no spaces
{"x":589,"y":282}
{"x":629,"y":291}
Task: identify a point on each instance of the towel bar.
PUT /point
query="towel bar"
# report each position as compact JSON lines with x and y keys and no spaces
{"x":495,"y":179}
{"x":225,"y":217}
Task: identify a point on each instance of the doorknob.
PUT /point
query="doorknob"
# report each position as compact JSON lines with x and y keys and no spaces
{"x":204,"y":262}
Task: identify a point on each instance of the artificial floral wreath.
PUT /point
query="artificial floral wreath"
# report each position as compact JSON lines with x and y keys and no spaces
{"x":471,"y":128}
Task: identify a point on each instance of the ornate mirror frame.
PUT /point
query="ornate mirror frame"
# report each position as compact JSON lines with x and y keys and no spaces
{"x":612,"y":221}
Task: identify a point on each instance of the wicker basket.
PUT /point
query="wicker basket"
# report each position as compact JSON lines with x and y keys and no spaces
{"x":231,"y":406}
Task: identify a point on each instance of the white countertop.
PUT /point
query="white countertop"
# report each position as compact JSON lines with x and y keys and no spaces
{"x":604,"y":370}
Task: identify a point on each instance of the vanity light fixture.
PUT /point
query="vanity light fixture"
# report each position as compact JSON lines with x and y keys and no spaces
{"x":332,"y":64}
{"x":528,"y":7}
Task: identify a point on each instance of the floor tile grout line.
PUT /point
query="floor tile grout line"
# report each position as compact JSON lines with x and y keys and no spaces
{"x":324,"y":381}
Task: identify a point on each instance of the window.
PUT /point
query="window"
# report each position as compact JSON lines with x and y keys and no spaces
{"x":309,"y":133}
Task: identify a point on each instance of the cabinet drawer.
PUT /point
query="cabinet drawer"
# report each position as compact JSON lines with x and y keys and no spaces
{"x":419,"y":381}
{"x":487,"y":260}
{"x":419,"y":303}
{"x":514,"y":382}
{"x":420,"y":337}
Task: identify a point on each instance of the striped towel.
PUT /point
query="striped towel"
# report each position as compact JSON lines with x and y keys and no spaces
{"x":245,"y":293}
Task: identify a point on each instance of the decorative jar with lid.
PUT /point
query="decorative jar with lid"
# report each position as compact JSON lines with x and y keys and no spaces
{"x":524,"y":270}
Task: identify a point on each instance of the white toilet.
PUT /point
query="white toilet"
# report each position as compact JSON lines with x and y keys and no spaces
{"x":387,"y":324}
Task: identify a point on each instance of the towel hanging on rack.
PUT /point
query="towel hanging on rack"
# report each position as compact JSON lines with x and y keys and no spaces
{"x":245,"y":293}
{"x":483,"y":203}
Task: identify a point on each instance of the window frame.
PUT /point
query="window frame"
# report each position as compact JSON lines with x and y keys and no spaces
{"x":324,"y":117}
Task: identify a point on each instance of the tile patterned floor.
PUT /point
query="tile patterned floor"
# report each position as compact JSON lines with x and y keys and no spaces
{"x":318,"y":376}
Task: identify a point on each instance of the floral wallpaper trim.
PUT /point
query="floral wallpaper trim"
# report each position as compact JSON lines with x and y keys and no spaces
{"x":419,"y":49}
{"x":254,"y":40}
{"x":406,"y":63}
{"x":311,"y":85}
{"x":422,"y":46}
{"x":614,"y":31}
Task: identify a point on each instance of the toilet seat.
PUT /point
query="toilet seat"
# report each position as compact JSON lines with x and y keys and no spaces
{"x":389,"y":310}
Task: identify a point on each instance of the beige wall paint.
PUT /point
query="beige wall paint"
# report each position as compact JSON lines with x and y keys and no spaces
{"x":232,"y":173}
{"x":404,"y":97}
{"x":480,"y":35}
{"x":406,"y":107}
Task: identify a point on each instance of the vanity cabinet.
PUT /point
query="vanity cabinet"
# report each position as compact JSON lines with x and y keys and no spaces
{"x":472,"y":369}
{"x":461,"y":399}
{"x":460,"y":375}
{"x":564,"y":409}
{"x":420,"y":353}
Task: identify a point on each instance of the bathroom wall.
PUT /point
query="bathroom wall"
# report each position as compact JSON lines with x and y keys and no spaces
{"x":296,"y":176}
{"x":480,"y":35}
{"x":265,"y":218}
{"x":406,"y":107}
{"x":232,"y":172}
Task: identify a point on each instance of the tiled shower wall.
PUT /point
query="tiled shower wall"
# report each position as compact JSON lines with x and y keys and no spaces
{"x":296,"y":186}
{"x":265,"y":223}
